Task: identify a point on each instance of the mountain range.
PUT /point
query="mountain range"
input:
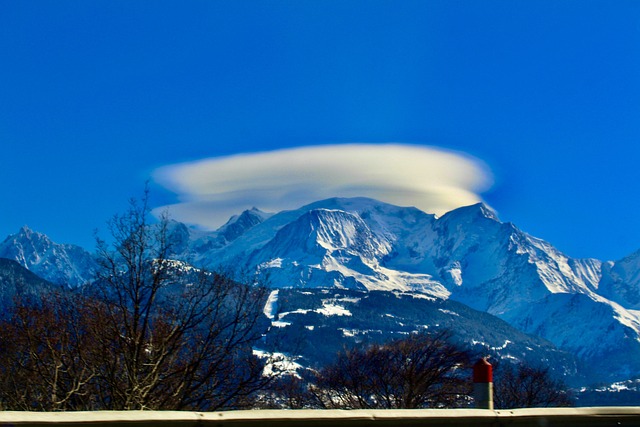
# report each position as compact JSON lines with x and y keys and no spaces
{"x":358,"y":269}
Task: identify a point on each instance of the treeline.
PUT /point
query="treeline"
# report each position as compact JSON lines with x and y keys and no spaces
{"x":155,"y":334}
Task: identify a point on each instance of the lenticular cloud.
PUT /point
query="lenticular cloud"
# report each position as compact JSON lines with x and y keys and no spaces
{"x":431,"y":179}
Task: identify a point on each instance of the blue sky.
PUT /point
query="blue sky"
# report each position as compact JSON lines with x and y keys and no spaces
{"x":96,"y":97}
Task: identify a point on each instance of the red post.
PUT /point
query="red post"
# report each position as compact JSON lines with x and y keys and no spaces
{"x":483,"y":384}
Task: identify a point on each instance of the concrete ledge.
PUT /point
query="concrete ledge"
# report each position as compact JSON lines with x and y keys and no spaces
{"x":597,"y":416}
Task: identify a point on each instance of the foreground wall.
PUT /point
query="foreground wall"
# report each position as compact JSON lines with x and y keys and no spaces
{"x":604,"y":416}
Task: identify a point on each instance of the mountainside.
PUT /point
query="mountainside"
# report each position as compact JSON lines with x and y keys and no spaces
{"x":621,"y":281}
{"x":467,"y":255}
{"x":324,"y":248}
{"x":62,"y":264}
{"x":17,"y":281}
{"x":314,"y":324}
{"x":584,"y":307}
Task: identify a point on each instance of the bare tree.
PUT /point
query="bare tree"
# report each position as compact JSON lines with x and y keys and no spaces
{"x":183,"y":336}
{"x":524,"y":386}
{"x":422,"y":370}
{"x":42,"y":364}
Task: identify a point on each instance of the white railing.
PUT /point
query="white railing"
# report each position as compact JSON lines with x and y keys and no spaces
{"x":598,"y":416}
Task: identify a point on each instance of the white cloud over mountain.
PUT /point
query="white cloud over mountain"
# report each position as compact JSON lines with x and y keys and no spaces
{"x":432,"y":179}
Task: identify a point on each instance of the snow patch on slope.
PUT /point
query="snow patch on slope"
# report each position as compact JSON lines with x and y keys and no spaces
{"x":271,"y":306}
{"x":332,"y":309}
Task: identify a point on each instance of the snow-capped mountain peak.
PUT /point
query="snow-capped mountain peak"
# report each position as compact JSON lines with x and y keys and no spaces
{"x":471,"y":213}
{"x":238,"y":224}
{"x":63,"y":264}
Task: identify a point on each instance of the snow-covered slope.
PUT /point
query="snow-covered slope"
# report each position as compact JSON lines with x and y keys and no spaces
{"x":493,"y":266}
{"x":326,"y":247}
{"x":601,"y":333}
{"x":621,"y":281}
